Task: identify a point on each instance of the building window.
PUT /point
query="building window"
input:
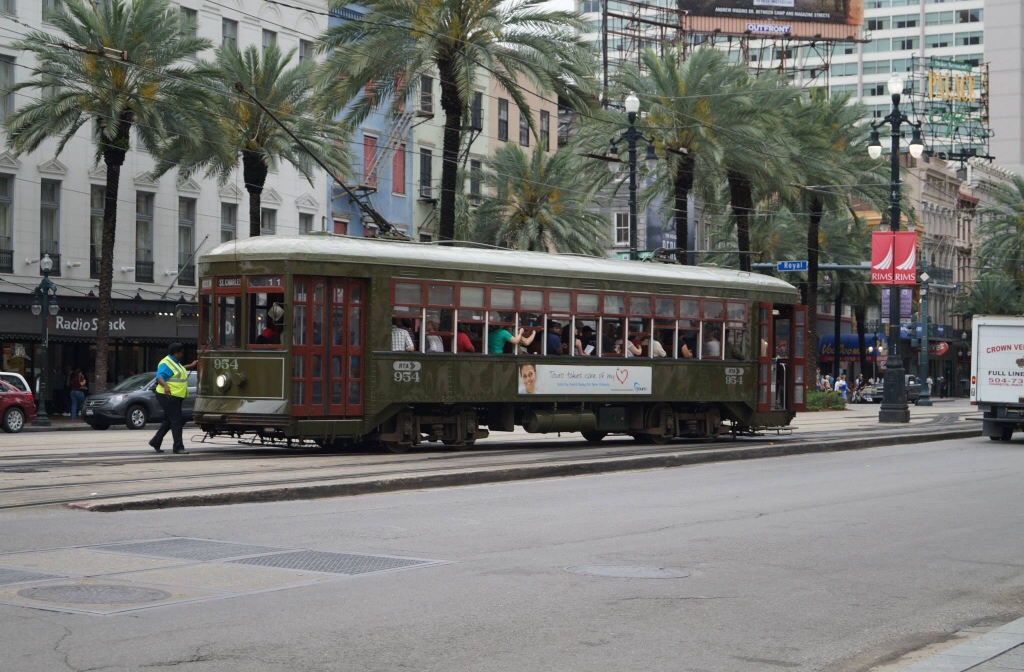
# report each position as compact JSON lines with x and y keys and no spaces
{"x":268,"y":222}
{"x":906,"y":21}
{"x":524,"y":130}
{"x":143,"y":237}
{"x":426,"y":94}
{"x":49,"y":7}
{"x":6,"y":81}
{"x":474,"y":180}
{"x":970,"y":15}
{"x":6,"y":224}
{"x":49,"y":221}
{"x":878,"y":24}
{"x":306,"y":51}
{"x":426,"y":173}
{"x":340,"y":227}
{"x":398,"y":171}
{"x":965,"y":39}
{"x":545,"y":130}
{"x":305,"y":222}
{"x":190,"y":22}
{"x":96,"y":198}
{"x":622,"y":228}
{"x":590,"y":6}
{"x":369,"y":160}
{"x":936,"y":41}
{"x":186,"y":241}
{"x":228,"y":33}
{"x":476,"y":117}
{"x":502,"y":120}
{"x":228,"y":222}
{"x":269,"y":39}
{"x":907,"y":44}
{"x":8,"y":6}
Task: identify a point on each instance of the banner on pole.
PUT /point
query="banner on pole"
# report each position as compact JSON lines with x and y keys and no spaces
{"x":894,"y":258}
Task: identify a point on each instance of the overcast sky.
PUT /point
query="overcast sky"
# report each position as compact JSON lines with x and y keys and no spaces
{"x":561,"y":4}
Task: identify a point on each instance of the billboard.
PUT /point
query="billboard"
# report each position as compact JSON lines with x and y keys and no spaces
{"x":846,"y":12}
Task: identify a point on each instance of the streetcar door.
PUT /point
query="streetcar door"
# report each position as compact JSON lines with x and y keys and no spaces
{"x":327,"y":346}
{"x":765,"y":357}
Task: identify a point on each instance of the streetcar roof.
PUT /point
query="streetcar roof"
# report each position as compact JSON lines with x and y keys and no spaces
{"x":383,"y":252}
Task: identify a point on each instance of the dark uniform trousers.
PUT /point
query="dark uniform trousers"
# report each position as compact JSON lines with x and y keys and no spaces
{"x":173,"y":420}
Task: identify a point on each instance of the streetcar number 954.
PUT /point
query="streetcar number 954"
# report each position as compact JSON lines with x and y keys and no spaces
{"x":407,"y":376}
{"x":225,"y":363}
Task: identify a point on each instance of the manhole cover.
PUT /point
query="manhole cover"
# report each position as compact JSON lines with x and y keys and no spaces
{"x":629,"y":571}
{"x":98,"y":594}
{"x":332,"y":563}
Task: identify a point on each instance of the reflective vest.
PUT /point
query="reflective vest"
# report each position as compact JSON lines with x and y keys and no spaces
{"x":178,"y":382}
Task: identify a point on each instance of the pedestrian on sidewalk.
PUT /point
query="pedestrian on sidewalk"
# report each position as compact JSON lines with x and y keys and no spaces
{"x":171,"y":391}
{"x":78,"y":389}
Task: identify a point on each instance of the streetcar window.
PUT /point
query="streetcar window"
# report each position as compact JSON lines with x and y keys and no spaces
{"x":665,"y":307}
{"x":437,"y":334}
{"x":205,"y":319}
{"x":665,"y":335}
{"x":471,"y":297}
{"x":614,"y":304}
{"x":588,"y":304}
{"x":263,"y":330}
{"x":503,"y":298}
{"x":737,"y":338}
{"x":441,"y":295}
{"x":689,"y":309}
{"x":714,"y":310}
{"x":408,"y":293}
{"x":530,"y":299}
{"x":689,"y":339}
{"x":560,"y":301}
{"x":470,"y":331}
{"x":639,"y":306}
{"x":612,"y":342}
{"x":228,"y":318}
{"x":586,"y":335}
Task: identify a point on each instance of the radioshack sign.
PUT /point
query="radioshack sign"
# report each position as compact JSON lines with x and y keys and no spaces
{"x":894,"y":258}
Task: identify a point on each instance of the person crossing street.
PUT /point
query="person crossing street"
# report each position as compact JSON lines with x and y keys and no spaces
{"x":171,"y":391}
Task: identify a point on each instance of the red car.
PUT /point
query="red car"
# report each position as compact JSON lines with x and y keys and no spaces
{"x":16,"y":408}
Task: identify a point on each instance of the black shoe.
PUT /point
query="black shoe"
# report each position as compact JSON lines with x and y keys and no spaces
{"x":155,"y":446}
{"x":180,"y":451}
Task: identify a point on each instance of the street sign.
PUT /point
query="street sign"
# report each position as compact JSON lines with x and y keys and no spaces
{"x":783,"y":266}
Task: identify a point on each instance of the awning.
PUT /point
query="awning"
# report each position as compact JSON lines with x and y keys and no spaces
{"x":875,"y":345}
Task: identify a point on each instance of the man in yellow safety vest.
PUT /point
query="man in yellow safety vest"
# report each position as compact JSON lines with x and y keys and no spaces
{"x":171,"y":390}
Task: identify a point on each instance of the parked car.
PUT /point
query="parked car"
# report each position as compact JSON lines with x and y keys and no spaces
{"x":15,"y":380}
{"x":874,"y":393}
{"x":133,"y":402}
{"x":16,"y":408}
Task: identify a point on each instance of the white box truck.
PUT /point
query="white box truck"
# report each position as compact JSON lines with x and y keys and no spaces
{"x":997,"y":374}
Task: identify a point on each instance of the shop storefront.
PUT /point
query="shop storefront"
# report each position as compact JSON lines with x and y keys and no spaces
{"x":140,"y":332}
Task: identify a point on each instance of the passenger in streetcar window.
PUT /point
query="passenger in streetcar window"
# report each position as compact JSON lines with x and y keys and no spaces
{"x":271,"y":334}
{"x":400,"y":338}
{"x":685,"y":350}
{"x":648,"y":345}
{"x":586,"y":344}
{"x":554,"y":338}
{"x":500,"y":337}
{"x":713,"y":346}
{"x":463,"y":343}
{"x":434,"y":342}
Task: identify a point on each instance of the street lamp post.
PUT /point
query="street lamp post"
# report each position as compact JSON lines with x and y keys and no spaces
{"x":922,"y":359}
{"x":632,"y":105}
{"x":42,"y":305}
{"x":894,"y":398}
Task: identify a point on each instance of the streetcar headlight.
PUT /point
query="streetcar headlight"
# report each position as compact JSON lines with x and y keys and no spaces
{"x":238,"y":379}
{"x":223,"y":382}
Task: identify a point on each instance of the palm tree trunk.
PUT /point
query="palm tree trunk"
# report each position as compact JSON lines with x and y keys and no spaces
{"x":742,"y":198}
{"x":682,"y":184}
{"x":816,"y":210}
{"x":254,"y":174}
{"x":452,"y":106}
{"x":113,"y":157}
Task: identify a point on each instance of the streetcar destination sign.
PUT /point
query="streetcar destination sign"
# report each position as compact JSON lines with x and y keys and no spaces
{"x":783,"y":266}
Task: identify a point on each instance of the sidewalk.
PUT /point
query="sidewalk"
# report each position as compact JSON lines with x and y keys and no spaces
{"x":59,"y":423}
{"x":1000,"y":650}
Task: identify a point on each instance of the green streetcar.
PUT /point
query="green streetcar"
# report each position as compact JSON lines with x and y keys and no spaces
{"x":338,"y":340}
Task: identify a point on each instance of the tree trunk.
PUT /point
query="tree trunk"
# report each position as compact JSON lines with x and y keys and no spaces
{"x":113,"y":157}
{"x":742,"y":198}
{"x":682,"y":184}
{"x":815,"y":208}
{"x":254,"y":174}
{"x":453,"y":112}
{"x":837,"y":328}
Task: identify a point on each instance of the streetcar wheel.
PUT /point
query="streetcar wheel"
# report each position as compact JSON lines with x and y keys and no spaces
{"x":658,"y":439}
{"x":395,"y":446}
{"x":14,"y":420}
{"x":459,"y":445}
{"x":136,"y":417}
{"x":592,"y":436}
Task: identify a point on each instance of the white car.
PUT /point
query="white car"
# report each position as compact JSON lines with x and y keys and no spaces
{"x":15,"y":379}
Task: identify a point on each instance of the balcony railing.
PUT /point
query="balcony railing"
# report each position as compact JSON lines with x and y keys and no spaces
{"x":143,"y":271}
{"x":6,"y":260}
{"x":55,"y":258}
{"x":187,"y":275}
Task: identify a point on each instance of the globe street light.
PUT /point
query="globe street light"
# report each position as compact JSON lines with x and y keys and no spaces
{"x":43,"y":306}
{"x":632,"y":105}
{"x":894,"y":397}
{"x":925,"y":398}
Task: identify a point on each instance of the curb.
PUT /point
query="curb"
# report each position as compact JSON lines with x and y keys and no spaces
{"x":526,"y":472}
{"x":973,"y":653}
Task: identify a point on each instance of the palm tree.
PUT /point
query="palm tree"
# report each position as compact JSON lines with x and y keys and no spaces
{"x":147,"y":88}
{"x":686,"y":114}
{"x":1002,"y":229}
{"x":991,"y":294}
{"x":241,"y":132}
{"x":539,"y":202}
{"x":458,"y":40}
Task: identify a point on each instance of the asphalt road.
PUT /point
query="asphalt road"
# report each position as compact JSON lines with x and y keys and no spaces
{"x":827,"y":562}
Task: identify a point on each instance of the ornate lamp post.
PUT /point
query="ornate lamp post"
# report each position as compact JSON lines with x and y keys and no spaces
{"x":894,"y":398}
{"x":632,"y":105}
{"x":44,"y":306}
{"x":922,"y":358}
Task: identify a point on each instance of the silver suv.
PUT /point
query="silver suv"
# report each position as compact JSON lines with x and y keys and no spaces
{"x":133,"y":402}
